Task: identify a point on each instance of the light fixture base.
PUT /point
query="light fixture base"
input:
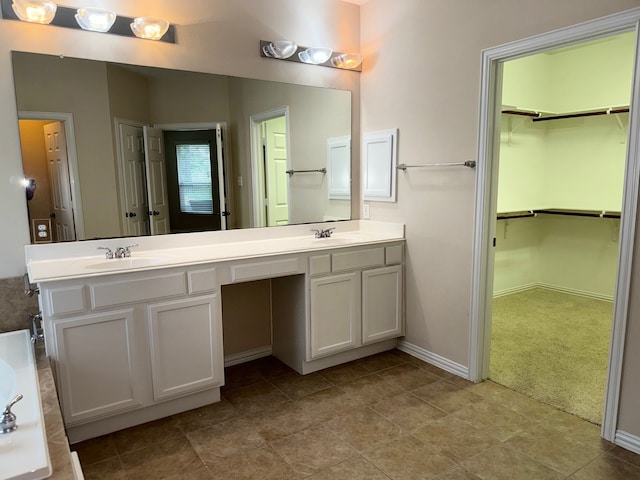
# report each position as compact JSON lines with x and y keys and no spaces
{"x":296,"y":58}
{"x":66,"y":17}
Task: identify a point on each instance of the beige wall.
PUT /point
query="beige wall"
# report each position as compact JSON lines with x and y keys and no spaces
{"x":246,"y":325}
{"x":422,"y":75}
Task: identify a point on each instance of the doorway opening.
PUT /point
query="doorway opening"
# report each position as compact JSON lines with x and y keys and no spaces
{"x":486,"y":224}
{"x":560,"y":162}
{"x":192,"y":180}
{"x":50,"y":169}
{"x":172,"y":177}
{"x":270,"y":162}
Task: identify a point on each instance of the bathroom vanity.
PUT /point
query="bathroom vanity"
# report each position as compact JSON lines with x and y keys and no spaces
{"x":139,"y":338}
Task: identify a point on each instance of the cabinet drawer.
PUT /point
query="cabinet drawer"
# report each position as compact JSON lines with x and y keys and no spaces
{"x":371,"y":257}
{"x":63,"y":301}
{"x":202,"y":281}
{"x":319,"y":264}
{"x":393,"y":255}
{"x":266,"y":269}
{"x":122,"y":292}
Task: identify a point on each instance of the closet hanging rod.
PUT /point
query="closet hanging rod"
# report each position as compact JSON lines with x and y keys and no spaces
{"x":319,"y":170}
{"x":593,"y":113}
{"x":468,"y":163}
{"x":580,"y":213}
{"x":559,"y":211}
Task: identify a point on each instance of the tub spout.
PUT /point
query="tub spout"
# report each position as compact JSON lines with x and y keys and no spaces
{"x":8,"y":420}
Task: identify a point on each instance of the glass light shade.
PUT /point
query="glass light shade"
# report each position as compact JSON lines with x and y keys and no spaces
{"x":315,"y":55}
{"x":348,"y":61}
{"x":35,"y":11}
{"x":280,"y":49}
{"x":150,"y":28}
{"x":95,"y":19}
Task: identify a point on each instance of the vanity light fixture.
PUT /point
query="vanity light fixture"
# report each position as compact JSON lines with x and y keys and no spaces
{"x":280,"y":49}
{"x":315,"y":55}
{"x":323,"y":56}
{"x":149,"y":28}
{"x":347,"y":61}
{"x":95,"y":19}
{"x":35,"y":11}
{"x":87,"y":18}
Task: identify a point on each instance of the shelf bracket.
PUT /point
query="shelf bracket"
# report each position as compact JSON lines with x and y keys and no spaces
{"x":623,"y":128}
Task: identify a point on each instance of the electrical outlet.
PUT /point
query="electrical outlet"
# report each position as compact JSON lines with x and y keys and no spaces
{"x":365,"y":211}
{"x":41,"y":230}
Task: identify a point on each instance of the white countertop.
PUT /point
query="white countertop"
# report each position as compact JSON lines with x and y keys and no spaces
{"x":61,"y":261}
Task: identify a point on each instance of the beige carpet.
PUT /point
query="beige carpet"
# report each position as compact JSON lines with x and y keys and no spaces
{"x":553,"y":347}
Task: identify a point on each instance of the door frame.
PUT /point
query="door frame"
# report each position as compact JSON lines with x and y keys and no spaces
{"x":222,"y":156}
{"x":486,"y":198}
{"x":257,"y":170}
{"x":72,"y":155}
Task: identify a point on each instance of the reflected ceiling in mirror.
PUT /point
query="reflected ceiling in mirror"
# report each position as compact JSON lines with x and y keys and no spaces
{"x":111,"y":183}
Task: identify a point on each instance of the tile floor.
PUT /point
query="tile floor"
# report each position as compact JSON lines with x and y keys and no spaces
{"x":389,"y":416}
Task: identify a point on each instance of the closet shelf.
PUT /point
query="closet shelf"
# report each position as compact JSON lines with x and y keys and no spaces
{"x":559,"y":211}
{"x":522,"y":214}
{"x":543,"y":117}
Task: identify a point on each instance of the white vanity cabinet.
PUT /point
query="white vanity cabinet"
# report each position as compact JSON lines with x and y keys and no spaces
{"x":382,"y":304}
{"x":355,"y":299}
{"x":335,"y":313}
{"x":133,"y":346}
{"x":98,"y":368}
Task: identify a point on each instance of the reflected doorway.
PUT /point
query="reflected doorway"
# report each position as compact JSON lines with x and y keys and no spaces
{"x":50,"y":169}
{"x":269,"y":132}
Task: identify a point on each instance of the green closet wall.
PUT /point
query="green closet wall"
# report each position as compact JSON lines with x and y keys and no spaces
{"x":573,"y":164}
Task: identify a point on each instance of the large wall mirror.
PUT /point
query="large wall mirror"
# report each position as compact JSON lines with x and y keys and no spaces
{"x":114,"y":150}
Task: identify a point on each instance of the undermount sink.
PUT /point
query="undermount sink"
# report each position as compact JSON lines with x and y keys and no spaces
{"x":337,"y":240}
{"x":131,"y":262}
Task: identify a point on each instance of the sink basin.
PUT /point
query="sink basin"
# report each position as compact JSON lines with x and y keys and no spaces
{"x":131,"y":262}
{"x":337,"y":240}
{"x":24,"y":453}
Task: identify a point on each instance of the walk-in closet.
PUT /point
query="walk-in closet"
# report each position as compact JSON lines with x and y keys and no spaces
{"x":561,"y":174}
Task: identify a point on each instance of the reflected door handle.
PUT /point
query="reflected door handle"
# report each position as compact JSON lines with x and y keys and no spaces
{"x":130,"y":214}
{"x":226,"y":214}
{"x":154,"y":213}
{"x":53,"y":215}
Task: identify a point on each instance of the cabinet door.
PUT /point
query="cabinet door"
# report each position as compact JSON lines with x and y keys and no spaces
{"x":382,"y":314}
{"x":96,"y":365}
{"x":335,"y":314}
{"x":186,"y":346}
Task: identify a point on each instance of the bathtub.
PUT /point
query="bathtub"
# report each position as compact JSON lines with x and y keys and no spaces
{"x":23,"y":453}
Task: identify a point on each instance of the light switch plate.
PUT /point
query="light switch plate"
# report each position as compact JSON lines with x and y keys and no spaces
{"x":365,"y":212}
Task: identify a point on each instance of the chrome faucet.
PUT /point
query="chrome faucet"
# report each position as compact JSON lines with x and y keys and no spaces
{"x":8,"y":418}
{"x":124,"y":252}
{"x":108,"y":254}
{"x":323,"y":233}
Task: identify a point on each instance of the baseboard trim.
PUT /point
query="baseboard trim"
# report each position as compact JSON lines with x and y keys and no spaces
{"x":518,"y":289}
{"x":554,"y":288}
{"x":434,"y":359}
{"x":579,"y":293}
{"x":628,"y":441}
{"x":247,"y":356}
